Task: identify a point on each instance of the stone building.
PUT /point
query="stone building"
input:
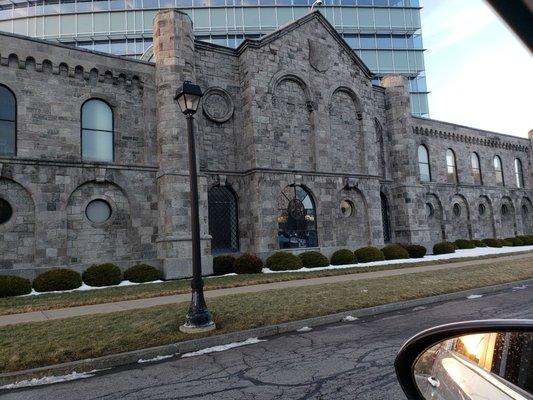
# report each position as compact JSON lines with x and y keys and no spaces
{"x":297,"y":150}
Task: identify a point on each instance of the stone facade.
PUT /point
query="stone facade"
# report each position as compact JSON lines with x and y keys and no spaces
{"x":294,"y":109}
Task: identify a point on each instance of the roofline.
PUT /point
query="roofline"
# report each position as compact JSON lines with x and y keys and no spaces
{"x":504,"y":135}
{"x":73,"y":48}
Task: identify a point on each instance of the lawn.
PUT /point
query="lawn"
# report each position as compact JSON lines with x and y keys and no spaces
{"x":14,"y":305}
{"x":37,"y":344}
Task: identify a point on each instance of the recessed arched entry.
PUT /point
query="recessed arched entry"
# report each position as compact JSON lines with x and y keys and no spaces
{"x":223,"y":220}
{"x":385,"y":221}
{"x":296,"y":218}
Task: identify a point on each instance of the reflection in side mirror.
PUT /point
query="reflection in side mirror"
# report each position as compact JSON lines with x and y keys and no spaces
{"x":496,"y":365}
{"x":478,"y":360}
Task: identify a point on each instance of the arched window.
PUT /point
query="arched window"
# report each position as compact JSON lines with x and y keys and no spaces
{"x":423,"y":164}
{"x":296,"y":218}
{"x":498,"y":171}
{"x":223,"y":220}
{"x":476,"y":169}
{"x":381,"y":147}
{"x":519,"y":175}
{"x":451,"y":166}
{"x":96,"y":131}
{"x":8,"y":122}
{"x":385,"y":218}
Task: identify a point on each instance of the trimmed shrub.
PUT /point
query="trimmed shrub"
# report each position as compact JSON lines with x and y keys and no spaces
{"x":283,"y":261}
{"x":223,"y":265}
{"x":528,"y":240}
{"x":313,"y":259}
{"x":369,"y":254}
{"x":464,"y":244}
{"x":102,"y":275}
{"x":516,"y":241}
{"x":506,"y":242}
{"x":57,"y":279}
{"x":394,"y":252}
{"x":14,"y":286}
{"x":415,"y":250}
{"x":479,"y":243}
{"x":492,"y":242}
{"x":343,"y":257}
{"x":142,"y":273}
{"x":248,"y":264}
{"x":444,"y":248}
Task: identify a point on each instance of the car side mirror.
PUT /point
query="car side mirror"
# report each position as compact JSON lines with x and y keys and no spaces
{"x":476,"y":360}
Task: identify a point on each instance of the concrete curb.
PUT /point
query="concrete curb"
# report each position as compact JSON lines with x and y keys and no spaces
{"x":132,"y":357}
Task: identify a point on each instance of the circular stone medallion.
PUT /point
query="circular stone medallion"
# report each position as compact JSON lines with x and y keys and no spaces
{"x":217,"y":105}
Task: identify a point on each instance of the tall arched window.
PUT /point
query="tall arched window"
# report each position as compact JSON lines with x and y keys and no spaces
{"x":381,"y":147}
{"x":476,"y":169}
{"x":385,"y":218}
{"x":8,"y":122}
{"x":96,"y":131}
{"x":296,"y":218}
{"x":423,"y":164}
{"x":451,"y":166}
{"x":498,"y":171}
{"x":518,"y":173}
{"x":223,"y":220}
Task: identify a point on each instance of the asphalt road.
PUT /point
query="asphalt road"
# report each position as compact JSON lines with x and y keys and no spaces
{"x":341,"y":361}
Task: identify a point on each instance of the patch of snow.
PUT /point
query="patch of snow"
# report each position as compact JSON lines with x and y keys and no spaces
{"x":47,"y":380}
{"x":349,"y":318}
{"x":222,"y":347}
{"x":520,"y":287}
{"x":474,"y":296}
{"x":218,"y":276}
{"x":364,"y":290}
{"x":477,"y":252}
{"x":158,"y":358}
{"x":304,"y":329}
{"x":84,"y":287}
{"x":419,"y":308}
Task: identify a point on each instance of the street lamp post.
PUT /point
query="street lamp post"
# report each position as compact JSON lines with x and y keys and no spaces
{"x":198,"y":317}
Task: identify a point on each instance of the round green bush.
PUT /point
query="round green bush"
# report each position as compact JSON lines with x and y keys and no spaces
{"x":492,"y":242}
{"x":248,"y":264}
{"x":415,"y":250}
{"x":464,"y":244}
{"x":444,"y":248}
{"x":507,"y":242}
{"x":369,"y":254}
{"x":283,"y":261}
{"x":102,"y":275}
{"x":142,"y":273}
{"x":14,"y":286}
{"x":516,"y":241}
{"x":479,"y":243}
{"x":313,"y":259}
{"x":57,"y":279}
{"x":528,"y":240}
{"x":394,"y":252}
{"x":223,"y":265}
{"x":343,"y":257}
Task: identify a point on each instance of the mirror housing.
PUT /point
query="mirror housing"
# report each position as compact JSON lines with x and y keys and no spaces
{"x":418,"y":344}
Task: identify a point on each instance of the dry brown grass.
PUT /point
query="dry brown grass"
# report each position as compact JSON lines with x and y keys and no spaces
{"x":43,"y":343}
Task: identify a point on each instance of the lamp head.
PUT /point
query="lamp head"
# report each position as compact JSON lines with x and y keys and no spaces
{"x":188,"y":96}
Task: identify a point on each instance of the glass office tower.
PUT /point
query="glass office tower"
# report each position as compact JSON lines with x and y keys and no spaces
{"x":384,"y":33}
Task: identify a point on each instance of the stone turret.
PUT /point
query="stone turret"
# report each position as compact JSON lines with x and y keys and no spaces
{"x":407,"y":194}
{"x":174,"y":58}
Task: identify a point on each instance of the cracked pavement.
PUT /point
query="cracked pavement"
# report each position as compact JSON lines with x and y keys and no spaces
{"x":351,"y":360}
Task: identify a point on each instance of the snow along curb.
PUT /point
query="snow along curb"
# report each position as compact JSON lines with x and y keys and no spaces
{"x":177,"y":349}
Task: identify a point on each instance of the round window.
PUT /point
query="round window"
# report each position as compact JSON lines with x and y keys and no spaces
{"x":346,"y":208}
{"x":5,"y":211}
{"x":505,"y":210}
{"x":98,"y":211}
{"x":456,"y":209}
{"x":481,"y":209}
{"x":429,"y":210}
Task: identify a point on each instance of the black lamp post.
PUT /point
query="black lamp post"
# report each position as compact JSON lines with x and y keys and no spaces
{"x":198,"y":318}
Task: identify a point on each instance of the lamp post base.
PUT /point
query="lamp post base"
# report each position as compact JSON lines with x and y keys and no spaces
{"x":185,"y":328}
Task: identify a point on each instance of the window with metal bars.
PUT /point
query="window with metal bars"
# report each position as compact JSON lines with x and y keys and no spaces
{"x":223,"y":220}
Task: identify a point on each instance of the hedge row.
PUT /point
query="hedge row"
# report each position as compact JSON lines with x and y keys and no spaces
{"x":66,"y":279}
{"x":448,"y":247}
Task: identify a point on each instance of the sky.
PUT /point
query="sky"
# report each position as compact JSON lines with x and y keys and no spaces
{"x":478,"y":72}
